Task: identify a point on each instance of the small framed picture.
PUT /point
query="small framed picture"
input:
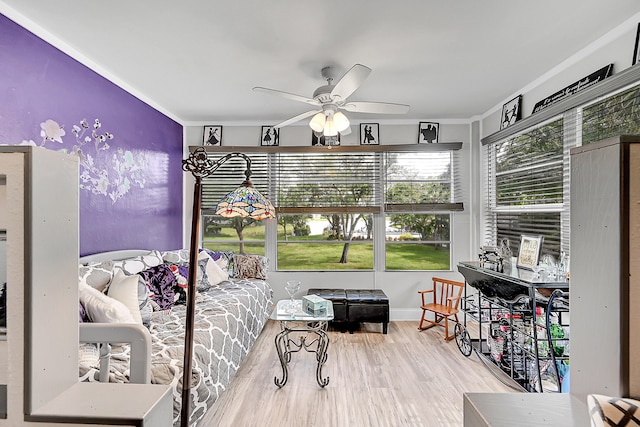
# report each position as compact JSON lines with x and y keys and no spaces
{"x":317,"y":138}
{"x":369,"y":134}
{"x":212,"y":135}
{"x":428,"y":133}
{"x":270,"y":136}
{"x":511,"y":112}
{"x":636,"y":52}
{"x":530,"y":247}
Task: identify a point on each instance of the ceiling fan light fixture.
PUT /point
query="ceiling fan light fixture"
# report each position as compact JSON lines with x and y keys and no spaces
{"x":330,"y":127}
{"x":317,"y":122}
{"x":340,"y":121}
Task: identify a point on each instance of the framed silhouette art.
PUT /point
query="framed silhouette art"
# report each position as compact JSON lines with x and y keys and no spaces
{"x":511,"y":112}
{"x":369,"y":134}
{"x":428,"y":133}
{"x":270,"y":136}
{"x":212,"y":135}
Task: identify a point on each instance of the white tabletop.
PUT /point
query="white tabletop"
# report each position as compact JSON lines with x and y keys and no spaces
{"x":282,"y":312}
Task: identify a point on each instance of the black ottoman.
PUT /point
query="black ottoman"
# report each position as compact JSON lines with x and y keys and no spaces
{"x":352,"y":306}
{"x":368,"y":305}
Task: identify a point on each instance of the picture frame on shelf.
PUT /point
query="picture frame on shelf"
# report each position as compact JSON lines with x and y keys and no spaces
{"x":369,"y":134}
{"x":511,"y":112}
{"x":636,"y":51}
{"x":318,"y":139}
{"x":270,"y":136}
{"x":212,"y":135}
{"x":529,"y":253}
{"x":428,"y":132}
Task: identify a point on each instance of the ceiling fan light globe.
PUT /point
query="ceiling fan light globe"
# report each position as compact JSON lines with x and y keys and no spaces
{"x":330,"y":128}
{"x":340,"y":121}
{"x":317,"y":122}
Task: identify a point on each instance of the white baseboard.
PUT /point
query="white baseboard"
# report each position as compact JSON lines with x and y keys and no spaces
{"x":404,"y":314}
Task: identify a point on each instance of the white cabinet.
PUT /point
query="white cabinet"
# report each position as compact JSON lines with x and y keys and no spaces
{"x":605,"y":268}
{"x":39,"y":211}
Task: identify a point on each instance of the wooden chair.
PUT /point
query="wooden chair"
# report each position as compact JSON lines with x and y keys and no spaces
{"x":446,"y":298}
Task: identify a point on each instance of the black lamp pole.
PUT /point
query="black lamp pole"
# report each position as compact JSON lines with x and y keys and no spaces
{"x":200,"y":166}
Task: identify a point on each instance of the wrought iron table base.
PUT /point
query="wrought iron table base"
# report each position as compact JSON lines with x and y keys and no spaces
{"x":318,"y":345}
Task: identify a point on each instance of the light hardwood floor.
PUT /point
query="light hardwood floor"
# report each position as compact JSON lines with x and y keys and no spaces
{"x":404,"y":378}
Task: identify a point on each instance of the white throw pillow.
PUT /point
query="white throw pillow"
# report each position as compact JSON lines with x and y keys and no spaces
{"x":103,"y":309}
{"x":215,"y":274}
{"x":125,"y":289}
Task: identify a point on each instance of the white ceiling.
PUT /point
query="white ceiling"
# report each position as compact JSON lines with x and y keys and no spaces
{"x":197,"y":60}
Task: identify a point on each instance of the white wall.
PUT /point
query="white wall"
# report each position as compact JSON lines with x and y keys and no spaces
{"x":401,"y":287}
{"x":614,"y":48}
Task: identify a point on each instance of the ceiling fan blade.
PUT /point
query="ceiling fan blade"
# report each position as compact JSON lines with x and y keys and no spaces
{"x":350,"y":81}
{"x":297,"y":118}
{"x":287,"y":95}
{"x":376,"y":107}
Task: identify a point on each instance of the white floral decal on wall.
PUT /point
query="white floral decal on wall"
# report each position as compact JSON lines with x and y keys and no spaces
{"x":106,"y":172}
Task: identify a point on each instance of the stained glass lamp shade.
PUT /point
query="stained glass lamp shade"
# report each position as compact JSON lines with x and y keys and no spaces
{"x":245,"y":201}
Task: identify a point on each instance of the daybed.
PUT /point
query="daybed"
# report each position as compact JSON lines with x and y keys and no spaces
{"x":233,"y":303}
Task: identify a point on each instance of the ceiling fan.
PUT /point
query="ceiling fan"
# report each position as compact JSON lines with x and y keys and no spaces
{"x":329,"y":99}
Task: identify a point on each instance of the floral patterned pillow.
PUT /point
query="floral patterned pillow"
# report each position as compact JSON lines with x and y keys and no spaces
{"x":161,"y":283}
{"x":250,"y":267}
{"x":182,"y":280}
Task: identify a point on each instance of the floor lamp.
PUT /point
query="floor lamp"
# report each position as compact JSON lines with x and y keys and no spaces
{"x":245,"y":201}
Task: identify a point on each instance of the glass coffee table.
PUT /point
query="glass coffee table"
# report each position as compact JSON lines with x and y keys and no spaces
{"x":293,"y":319}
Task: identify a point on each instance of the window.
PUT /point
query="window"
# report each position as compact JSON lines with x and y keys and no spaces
{"x":416,"y":184}
{"x":617,"y":114}
{"x":522,"y":163}
{"x":525,"y":188}
{"x":329,"y":202}
{"x":238,"y":235}
{"x":336,"y":241}
{"x":328,"y":198}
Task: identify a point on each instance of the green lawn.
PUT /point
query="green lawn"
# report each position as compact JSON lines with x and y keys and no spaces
{"x":416,"y":255}
{"x":325,"y":256}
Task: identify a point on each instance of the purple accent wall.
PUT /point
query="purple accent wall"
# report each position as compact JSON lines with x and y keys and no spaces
{"x":130,"y":174}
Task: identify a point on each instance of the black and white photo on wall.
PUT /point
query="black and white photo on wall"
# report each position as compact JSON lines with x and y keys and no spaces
{"x":428,"y":132}
{"x":318,"y":138}
{"x":636,"y":51}
{"x":369,"y":134}
{"x":270,"y":136}
{"x":511,"y":112}
{"x":212,"y":135}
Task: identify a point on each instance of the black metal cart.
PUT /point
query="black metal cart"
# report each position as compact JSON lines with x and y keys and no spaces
{"x":513,"y":311}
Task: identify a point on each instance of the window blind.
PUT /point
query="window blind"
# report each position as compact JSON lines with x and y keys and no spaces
{"x":616,"y":114}
{"x":327,"y":181}
{"x":345,"y":179}
{"x":525,"y":183}
{"x":421,"y":181}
